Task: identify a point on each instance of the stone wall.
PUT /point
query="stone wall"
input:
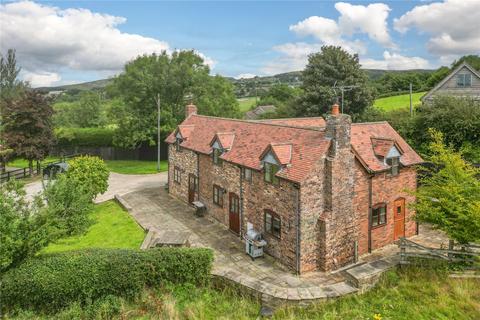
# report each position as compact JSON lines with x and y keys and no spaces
{"x":385,"y":189}
{"x":186,"y":160}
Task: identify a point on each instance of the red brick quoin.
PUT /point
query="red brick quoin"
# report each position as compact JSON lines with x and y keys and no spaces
{"x":333,"y":190}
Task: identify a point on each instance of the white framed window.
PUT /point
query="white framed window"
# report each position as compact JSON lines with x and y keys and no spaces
{"x":394,"y":164}
{"x":464,"y":80}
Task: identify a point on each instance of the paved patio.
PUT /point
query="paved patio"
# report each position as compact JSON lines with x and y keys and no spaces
{"x":153,"y":207}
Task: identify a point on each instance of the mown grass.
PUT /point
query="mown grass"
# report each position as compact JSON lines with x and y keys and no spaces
{"x":112,"y":227}
{"x":135,"y":166}
{"x":398,"y":102}
{"x":22,"y":163}
{"x":246,"y":104}
{"x":412,"y":293}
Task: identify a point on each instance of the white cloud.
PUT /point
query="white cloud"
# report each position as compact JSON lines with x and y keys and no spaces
{"x":453,"y":25}
{"x":371,"y":19}
{"x":395,"y":61}
{"x":245,"y":76}
{"x":41,"y":79}
{"x":49,"y":39}
{"x":294,"y":57}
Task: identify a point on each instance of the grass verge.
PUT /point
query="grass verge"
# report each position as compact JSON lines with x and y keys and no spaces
{"x":135,"y":166}
{"x":113,"y":227}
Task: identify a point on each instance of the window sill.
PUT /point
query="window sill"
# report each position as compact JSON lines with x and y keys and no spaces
{"x":378,"y":226}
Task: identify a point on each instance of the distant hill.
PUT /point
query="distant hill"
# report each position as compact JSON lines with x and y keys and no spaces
{"x":91,"y":85}
{"x":243,"y":87}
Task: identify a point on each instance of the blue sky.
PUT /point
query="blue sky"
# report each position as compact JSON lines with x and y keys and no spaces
{"x":73,"y":41}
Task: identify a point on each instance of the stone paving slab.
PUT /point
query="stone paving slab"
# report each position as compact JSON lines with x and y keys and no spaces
{"x":153,"y":207}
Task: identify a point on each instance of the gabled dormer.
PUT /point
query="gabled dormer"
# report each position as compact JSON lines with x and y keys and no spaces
{"x":389,"y":152}
{"x":182,"y":134}
{"x":222,"y":142}
{"x":274,"y":158}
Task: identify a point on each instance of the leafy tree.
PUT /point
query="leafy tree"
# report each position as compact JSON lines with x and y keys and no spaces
{"x":437,"y":76}
{"x":472,"y":59}
{"x":449,"y":196}
{"x":26,"y":227}
{"x":173,"y":77}
{"x":91,"y":172}
{"x":27,"y":126}
{"x":9,"y":84}
{"x":331,"y":66}
{"x":457,"y":118}
{"x":87,"y":112}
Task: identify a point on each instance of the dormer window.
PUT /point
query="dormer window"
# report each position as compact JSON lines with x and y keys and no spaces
{"x":178,"y":141}
{"x":464,"y":80}
{"x":270,"y":172}
{"x":394,"y":163}
{"x":216,"y":156}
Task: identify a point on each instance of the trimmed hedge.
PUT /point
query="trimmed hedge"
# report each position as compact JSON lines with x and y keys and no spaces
{"x":54,"y":281}
{"x":84,"y":137}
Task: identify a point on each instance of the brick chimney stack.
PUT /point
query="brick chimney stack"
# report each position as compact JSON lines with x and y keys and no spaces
{"x":339,"y":241}
{"x":190,"y":109}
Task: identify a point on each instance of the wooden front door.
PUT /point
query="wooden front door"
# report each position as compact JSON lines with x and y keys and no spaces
{"x":234,"y":210}
{"x":399,"y":217}
{"x":192,"y":187}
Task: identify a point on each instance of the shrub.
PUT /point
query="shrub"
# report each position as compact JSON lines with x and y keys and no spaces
{"x":91,"y":172}
{"x":84,"y":137}
{"x":51,"y":282}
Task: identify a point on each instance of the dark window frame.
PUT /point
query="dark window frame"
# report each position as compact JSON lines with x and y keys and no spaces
{"x":394,"y":163}
{"x":217,"y":195}
{"x":274,"y":226}
{"x":246,"y":177}
{"x":177,"y":175}
{"x":216,"y":156}
{"x":377,"y":215}
{"x":177,"y":144}
{"x":271,"y":169}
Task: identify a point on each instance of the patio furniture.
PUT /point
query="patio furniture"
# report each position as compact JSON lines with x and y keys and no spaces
{"x":172,"y":239}
{"x":200,"y":208}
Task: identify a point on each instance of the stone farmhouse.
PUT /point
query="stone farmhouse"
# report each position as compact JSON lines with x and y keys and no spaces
{"x":322,"y":192}
{"x":462,"y":82}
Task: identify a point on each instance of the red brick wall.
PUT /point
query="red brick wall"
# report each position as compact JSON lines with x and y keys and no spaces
{"x":385,"y":189}
{"x":186,"y":160}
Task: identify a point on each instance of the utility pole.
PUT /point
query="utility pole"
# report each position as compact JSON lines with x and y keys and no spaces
{"x":158,"y":131}
{"x":411,"y":104}
{"x":342,"y":90}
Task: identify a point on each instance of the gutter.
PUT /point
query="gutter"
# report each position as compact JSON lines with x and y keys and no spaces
{"x":370,"y":196}
{"x":241,"y":201}
{"x":298,"y":225}
{"x":198,"y":177}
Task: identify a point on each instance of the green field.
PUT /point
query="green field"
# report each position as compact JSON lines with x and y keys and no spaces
{"x":22,"y":163}
{"x":113,"y":227}
{"x":246,"y":104}
{"x":135,"y":166}
{"x":398,"y":102}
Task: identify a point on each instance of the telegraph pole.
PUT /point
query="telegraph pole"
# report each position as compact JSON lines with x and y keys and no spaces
{"x":158,"y":131}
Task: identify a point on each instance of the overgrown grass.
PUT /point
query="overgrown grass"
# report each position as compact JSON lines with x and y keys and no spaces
{"x":135,"y":166}
{"x":246,"y":104}
{"x":112,"y":227}
{"x":398,"y":102}
{"x":413,"y":293}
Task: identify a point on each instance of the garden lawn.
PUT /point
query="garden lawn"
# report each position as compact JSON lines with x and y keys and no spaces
{"x":135,"y":166}
{"x":112,"y":227}
{"x":23,"y":163}
{"x":398,"y":102}
{"x":246,"y":104}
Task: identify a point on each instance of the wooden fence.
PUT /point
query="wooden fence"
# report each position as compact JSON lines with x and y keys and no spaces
{"x":25,"y":172}
{"x":410,"y":250}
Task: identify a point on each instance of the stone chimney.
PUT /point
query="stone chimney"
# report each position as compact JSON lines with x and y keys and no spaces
{"x":190,"y":109}
{"x":341,"y":232}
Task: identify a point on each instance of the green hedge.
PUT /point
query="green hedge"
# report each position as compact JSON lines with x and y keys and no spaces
{"x":84,"y":137}
{"x":53,"y":281}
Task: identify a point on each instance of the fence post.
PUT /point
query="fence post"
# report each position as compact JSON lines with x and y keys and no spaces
{"x":38,"y":167}
{"x":8,"y":175}
{"x":403,"y":249}
{"x":451,"y":244}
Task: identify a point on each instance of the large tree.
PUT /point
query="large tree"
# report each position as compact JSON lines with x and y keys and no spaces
{"x":9,"y":84}
{"x":449,"y":195}
{"x":173,"y":77}
{"x":27,"y":126}
{"x":333,"y":66}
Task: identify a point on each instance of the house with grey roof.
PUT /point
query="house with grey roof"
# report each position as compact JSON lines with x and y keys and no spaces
{"x":462,"y":82}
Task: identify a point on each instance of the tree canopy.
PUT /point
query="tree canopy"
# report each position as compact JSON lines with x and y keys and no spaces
{"x":449,"y":195}
{"x":173,"y":77}
{"x":333,"y":66}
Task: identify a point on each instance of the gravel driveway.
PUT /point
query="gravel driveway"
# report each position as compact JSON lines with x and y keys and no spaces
{"x":117,"y":184}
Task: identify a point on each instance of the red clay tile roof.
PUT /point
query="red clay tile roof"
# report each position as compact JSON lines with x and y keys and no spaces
{"x":362,"y":134}
{"x":282,"y":151}
{"x":185,"y":130}
{"x":381,"y":146}
{"x":225,"y":139}
{"x":251,"y":139}
{"x":314,"y":122}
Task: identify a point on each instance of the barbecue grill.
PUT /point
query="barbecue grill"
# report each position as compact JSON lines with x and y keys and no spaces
{"x":254,"y":242}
